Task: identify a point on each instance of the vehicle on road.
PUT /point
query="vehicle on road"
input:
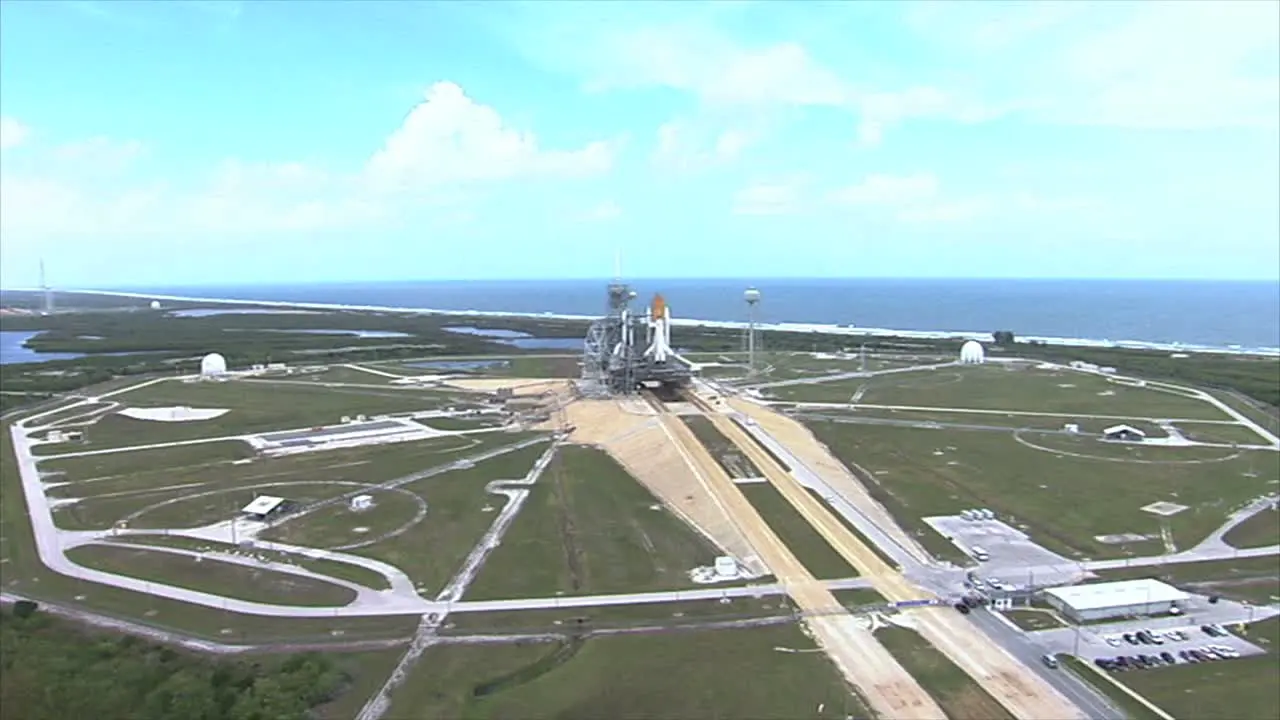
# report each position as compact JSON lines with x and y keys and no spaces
{"x":1050,"y":661}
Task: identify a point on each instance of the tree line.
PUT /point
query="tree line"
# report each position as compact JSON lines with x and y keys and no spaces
{"x":51,"y":669}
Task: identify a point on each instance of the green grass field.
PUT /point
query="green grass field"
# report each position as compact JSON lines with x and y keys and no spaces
{"x":810,"y":548}
{"x":589,"y":527}
{"x":534,"y":366}
{"x":1240,"y":689}
{"x":1034,"y":619}
{"x":459,"y":511}
{"x":255,"y":406}
{"x":1215,"y":433}
{"x":183,"y":457}
{"x":1013,"y":421}
{"x":793,"y":366}
{"x":1261,"y":530}
{"x":697,"y":674}
{"x":995,"y":387}
{"x":205,"y":493}
{"x":721,"y":448}
{"x":332,"y":568}
{"x":1132,"y":709}
{"x":672,"y":614}
{"x":337,"y":524}
{"x":211,"y":576}
{"x":72,"y":413}
{"x":957,"y":693}
{"x":918,"y":473}
{"x":22,"y":572}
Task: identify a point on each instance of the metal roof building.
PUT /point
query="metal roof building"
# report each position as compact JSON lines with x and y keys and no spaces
{"x":1098,"y":601}
{"x":263,"y":505}
{"x":1124,"y":432}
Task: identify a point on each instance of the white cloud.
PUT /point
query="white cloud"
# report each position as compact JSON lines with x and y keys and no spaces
{"x":1178,"y":65}
{"x":98,"y":155}
{"x":12,"y":133}
{"x":605,"y":211}
{"x":881,"y":110}
{"x":445,"y":147}
{"x":450,"y":138}
{"x":894,"y":190}
{"x":688,"y":146}
{"x":1164,"y":65}
{"x":911,"y":199}
{"x":773,"y":198}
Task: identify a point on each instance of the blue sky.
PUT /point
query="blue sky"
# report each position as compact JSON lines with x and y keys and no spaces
{"x":225,"y":142}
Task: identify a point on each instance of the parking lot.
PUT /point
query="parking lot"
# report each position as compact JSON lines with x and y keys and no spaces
{"x":1105,"y":640}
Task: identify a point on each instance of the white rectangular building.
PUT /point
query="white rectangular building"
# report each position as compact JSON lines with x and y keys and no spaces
{"x":1098,"y":601}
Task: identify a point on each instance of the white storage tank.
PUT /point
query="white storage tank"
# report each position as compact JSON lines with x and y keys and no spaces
{"x":213,"y":365}
{"x":972,"y":353}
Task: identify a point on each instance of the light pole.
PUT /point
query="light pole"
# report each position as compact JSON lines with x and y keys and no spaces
{"x":752,"y":296}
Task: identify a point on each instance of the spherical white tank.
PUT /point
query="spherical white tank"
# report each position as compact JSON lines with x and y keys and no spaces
{"x":971,"y":353}
{"x":155,"y":304}
{"x":213,"y":364}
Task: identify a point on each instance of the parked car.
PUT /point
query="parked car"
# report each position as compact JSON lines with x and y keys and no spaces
{"x":1168,"y":657}
{"x":1129,"y":639}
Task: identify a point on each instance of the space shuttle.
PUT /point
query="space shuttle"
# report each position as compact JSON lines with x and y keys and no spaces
{"x":659,"y":323}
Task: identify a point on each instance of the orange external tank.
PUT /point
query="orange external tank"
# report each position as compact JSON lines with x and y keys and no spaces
{"x":659,"y":307}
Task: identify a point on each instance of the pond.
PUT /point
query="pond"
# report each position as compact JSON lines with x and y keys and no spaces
{"x":516,"y":338}
{"x":12,"y":349}
{"x":457,"y":365}
{"x":352,"y":333}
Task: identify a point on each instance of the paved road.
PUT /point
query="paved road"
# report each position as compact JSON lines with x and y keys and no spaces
{"x":834,"y":377}
{"x":1081,"y":693}
{"x":1215,"y":540}
{"x":928,"y":424}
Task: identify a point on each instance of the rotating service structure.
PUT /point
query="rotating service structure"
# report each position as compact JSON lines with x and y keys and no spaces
{"x":626,"y":350}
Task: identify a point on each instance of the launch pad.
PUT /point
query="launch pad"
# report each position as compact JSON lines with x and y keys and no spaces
{"x":625,"y":351}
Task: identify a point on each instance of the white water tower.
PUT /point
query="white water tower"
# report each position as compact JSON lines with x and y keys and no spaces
{"x":752,"y":296}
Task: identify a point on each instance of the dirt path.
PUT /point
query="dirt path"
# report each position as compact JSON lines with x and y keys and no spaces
{"x":887,"y":687}
{"x":1018,"y":689}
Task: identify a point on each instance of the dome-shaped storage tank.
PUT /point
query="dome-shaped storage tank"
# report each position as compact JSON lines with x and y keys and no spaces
{"x":212,"y":365}
{"x":971,"y":353}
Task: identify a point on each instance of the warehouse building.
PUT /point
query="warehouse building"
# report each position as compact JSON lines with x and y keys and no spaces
{"x":1124,"y":433}
{"x":1098,"y":601}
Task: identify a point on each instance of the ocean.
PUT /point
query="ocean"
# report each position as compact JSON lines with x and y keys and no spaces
{"x":1226,"y":315}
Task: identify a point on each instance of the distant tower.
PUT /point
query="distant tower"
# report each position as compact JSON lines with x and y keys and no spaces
{"x":44,"y":288}
{"x":752,"y":296}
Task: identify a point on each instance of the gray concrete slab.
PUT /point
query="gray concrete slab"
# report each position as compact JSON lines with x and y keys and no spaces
{"x":1012,"y":553}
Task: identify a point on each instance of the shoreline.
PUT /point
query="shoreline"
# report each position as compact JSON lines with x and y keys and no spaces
{"x":826,"y":329}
